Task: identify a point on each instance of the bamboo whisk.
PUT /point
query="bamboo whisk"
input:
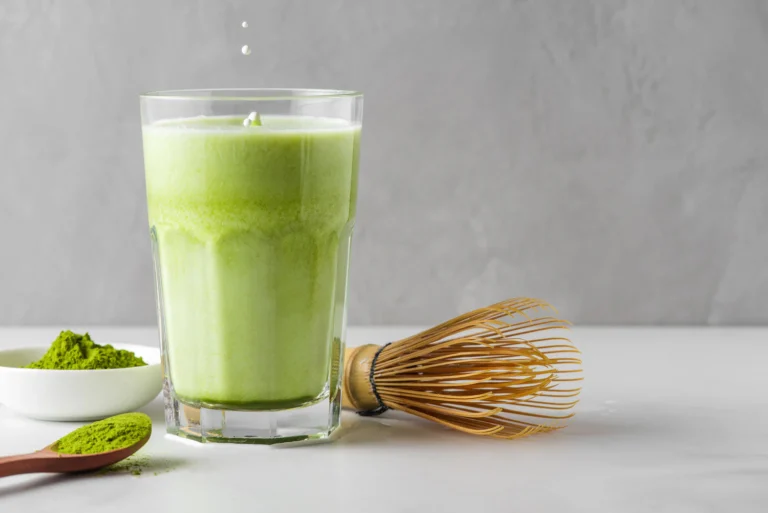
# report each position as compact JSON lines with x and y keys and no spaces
{"x":506,"y":371}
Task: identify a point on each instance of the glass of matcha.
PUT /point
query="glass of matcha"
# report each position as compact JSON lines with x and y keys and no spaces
{"x":252,"y":197}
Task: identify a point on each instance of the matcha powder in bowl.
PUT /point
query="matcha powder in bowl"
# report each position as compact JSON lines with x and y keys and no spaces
{"x":75,"y":379}
{"x":110,"y":434}
{"x":71,"y":351}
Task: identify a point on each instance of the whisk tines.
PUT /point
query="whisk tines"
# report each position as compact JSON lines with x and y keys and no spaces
{"x":507,"y":370}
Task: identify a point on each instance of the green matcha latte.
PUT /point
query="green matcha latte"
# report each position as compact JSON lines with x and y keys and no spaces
{"x":251,"y":229}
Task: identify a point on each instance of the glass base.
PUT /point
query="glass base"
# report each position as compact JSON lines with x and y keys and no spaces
{"x":316,"y":421}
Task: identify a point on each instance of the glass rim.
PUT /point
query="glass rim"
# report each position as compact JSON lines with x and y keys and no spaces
{"x":250,"y":94}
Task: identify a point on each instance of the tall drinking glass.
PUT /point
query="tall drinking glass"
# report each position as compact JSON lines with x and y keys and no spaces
{"x":252,"y":198}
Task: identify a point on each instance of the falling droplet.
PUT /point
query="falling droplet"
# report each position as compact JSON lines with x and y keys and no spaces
{"x":246,"y":50}
{"x":245,"y":24}
{"x":253,"y":119}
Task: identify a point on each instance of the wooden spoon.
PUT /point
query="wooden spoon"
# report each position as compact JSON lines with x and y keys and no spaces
{"x":48,"y":460}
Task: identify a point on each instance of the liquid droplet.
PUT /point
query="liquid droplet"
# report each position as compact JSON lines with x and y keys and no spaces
{"x":253,"y":119}
{"x":246,"y":50}
{"x":245,"y":24}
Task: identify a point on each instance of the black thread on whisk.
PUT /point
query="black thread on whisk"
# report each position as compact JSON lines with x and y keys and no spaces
{"x":381,"y":408}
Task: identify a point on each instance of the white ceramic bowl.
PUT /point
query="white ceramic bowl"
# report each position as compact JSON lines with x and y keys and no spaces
{"x":77,"y":395}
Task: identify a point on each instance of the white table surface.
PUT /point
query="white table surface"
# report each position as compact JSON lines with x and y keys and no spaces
{"x":671,"y":420}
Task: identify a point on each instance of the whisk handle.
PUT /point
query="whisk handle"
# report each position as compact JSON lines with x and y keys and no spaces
{"x":357,"y":393}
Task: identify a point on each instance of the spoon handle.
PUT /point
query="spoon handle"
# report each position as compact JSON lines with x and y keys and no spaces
{"x":40,"y":461}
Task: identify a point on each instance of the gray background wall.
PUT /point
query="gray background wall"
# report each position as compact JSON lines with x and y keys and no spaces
{"x":609,"y":156}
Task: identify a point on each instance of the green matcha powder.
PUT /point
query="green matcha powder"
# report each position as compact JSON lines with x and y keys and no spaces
{"x":110,"y":434}
{"x":71,"y":351}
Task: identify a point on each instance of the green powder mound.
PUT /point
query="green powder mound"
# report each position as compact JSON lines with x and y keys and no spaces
{"x":105,"y":435}
{"x":71,"y":351}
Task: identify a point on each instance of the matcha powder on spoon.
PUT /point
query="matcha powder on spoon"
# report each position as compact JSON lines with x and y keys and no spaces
{"x":110,"y":434}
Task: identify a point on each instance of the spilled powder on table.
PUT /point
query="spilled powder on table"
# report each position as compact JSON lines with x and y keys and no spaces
{"x":138,"y":466}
